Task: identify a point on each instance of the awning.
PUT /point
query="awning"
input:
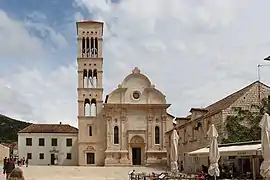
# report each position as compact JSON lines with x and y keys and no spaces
{"x":233,"y":150}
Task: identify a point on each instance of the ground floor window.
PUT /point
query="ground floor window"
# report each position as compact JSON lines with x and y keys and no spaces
{"x":68,"y":155}
{"x":41,"y":155}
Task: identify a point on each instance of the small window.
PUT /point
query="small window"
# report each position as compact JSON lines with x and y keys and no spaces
{"x":29,"y":156}
{"x":28,"y":141}
{"x":157,"y":135}
{"x":90,"y":130}
{"x":136,"y":95}
{"x":68,"y":155}
{"x":54,"y":142}
{"x":116,"y":135}
{"x":69,"y":142}
{"x":41,"y":142}
{"x":41,"y":155}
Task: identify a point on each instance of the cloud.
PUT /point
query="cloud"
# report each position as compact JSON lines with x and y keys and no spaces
{"x":16,"y":40}
{"x":30,"y":91}
{"x":186,"y":48}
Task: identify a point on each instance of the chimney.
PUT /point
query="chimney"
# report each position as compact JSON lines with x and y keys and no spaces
{"x":197,"y":112}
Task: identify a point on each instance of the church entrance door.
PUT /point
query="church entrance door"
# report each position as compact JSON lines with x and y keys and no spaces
{"x":90,"y":158}
{"x":136,"y":156}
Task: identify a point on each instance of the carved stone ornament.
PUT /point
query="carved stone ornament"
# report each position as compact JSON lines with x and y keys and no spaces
{"x":137,"y":140}
{"x":109,"y":118}
{"x":123,"y":114}
{"x":150,"y":115}
{"x":90,"y":148}
{"x":164,"y":117}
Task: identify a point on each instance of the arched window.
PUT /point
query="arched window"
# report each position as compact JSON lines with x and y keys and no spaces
{"x":87,"y":107}
{"x":157,"y":135}
{"x":90,"y":130}
{"x":116,"y":135}
{"x":93,"y":108}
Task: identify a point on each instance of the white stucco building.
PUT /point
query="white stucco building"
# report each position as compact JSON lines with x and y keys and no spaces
{"x":49,"y":144}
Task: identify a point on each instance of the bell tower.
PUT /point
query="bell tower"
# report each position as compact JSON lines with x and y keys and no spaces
{"x":90,"y":93}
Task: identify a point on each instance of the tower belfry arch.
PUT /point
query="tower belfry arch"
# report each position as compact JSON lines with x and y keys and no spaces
{"x":90,"y":91}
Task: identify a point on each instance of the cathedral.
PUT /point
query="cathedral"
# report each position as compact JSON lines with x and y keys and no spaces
{"x":127,"y":127}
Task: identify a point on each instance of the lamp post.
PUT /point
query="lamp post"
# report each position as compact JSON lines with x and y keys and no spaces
{"x":259,"y":66}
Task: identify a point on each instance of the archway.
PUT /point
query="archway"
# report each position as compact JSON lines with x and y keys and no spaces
{"x":137,"y":148}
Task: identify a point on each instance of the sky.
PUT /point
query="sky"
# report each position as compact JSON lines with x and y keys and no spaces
{"x":195,"y":52}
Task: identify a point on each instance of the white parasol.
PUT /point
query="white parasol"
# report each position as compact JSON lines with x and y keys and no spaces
{"x":174,"y":150}
{"x":214,"y":156}
{"x":265,"y":140}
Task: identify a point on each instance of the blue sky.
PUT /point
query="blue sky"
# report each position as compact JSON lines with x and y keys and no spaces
{"x":186,"y":47}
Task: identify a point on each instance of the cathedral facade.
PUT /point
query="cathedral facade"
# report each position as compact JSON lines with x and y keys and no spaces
{"x":128,"y":127}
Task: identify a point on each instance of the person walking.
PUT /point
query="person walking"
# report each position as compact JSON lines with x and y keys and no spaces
{"x":9,"y":167}
{"x":4,"y":165}
{"x":26,"y":162}
{"x":16,"y":174}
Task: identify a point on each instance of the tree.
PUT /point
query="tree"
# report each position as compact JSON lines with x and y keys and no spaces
{"x":244,"y":126}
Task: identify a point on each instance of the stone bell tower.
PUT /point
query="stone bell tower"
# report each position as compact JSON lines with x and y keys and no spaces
{"x":90,"y":93}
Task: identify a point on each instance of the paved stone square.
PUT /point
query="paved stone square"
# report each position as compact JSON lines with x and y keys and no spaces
{"x":79,"y":172}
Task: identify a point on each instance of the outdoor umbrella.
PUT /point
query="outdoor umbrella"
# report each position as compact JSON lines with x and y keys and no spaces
{"x":265,"y":140}
{"x":213,"y":152}
{"x":174,"y":150}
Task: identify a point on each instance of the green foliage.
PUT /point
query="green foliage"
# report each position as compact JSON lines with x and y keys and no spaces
{"x":9,"y":128}
{"x":244,"y":126}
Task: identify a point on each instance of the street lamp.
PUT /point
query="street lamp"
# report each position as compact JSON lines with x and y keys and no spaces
{"x":259,"y":66}
{"x":267,"y":58}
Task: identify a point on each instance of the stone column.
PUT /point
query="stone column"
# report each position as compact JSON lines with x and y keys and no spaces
{"x":109,"y":132}
{"x":150,"y":118}
{"x":123,"y":142}
{"x":123,"y":129}
{"x":163,"y":122}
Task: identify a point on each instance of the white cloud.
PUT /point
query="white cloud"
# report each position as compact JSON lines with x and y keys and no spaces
{"x":187,"y":48}
{"x":15,"y":39}
{"x":28,"y":91}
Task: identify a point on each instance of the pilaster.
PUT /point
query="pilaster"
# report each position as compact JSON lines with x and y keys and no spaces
{"x":163,"y":139}
{"x":150,"y":118}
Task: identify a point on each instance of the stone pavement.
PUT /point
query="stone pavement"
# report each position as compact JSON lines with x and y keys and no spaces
{"x":79,"y":172}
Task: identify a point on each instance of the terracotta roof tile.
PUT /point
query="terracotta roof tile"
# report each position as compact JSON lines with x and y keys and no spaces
{"x":49,"y":128}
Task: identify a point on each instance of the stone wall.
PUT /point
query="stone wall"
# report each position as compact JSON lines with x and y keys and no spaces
{"x":245,"y":102}
{"x":191,"y":139}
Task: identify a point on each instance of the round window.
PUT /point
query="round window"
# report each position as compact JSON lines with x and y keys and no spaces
{"x":136,"y":95}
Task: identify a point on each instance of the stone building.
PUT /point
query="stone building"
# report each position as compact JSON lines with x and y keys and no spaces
{"x":193,"y":128}
{"x":129,"y":127}
{"x":49,"y":144}
{"x":4,"y":152}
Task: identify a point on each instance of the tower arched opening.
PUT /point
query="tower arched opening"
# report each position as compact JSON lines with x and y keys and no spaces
{"x":87,"y":107}
{"x":90,"y":78}
{"x":93,"y":111}
{"x":95,"y":79}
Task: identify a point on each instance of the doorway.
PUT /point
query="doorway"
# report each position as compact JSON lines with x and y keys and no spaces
{"x":90,"y":158}
{"x":136,"y":156}
{"x":52,"y":159}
